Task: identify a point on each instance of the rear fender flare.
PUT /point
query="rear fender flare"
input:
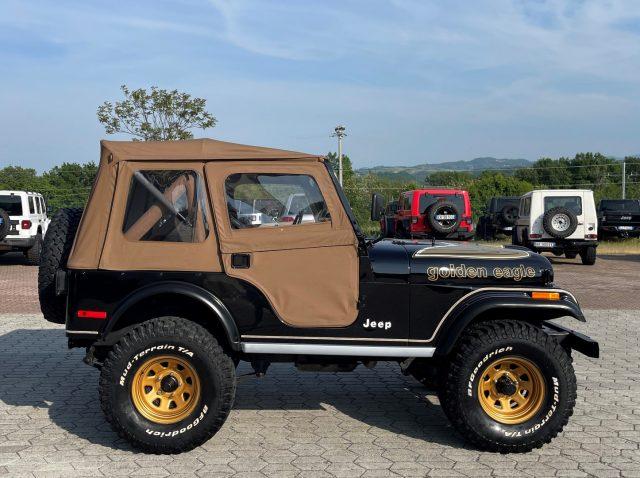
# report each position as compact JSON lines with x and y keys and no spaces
{"x":206,"y":298}
{"x":520,"y":306}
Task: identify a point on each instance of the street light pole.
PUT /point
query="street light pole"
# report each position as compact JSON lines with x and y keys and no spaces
{"x":624,"y":180}
{"x":339,"y":132}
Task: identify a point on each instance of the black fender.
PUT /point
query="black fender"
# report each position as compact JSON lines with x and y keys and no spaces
{"x":206,"y":298}
{"x":506,"y":304}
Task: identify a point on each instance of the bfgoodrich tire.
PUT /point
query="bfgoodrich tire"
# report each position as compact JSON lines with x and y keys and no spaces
{"x":520,"y":405}
{"x":167,"y":386}
{"x":53,"y":257}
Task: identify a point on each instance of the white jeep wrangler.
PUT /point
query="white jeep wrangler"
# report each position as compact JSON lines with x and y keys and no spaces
{"x":23,"y":223}
{"x":561,"y":221}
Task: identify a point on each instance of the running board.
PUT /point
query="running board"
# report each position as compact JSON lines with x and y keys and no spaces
{"x":342,"y":350}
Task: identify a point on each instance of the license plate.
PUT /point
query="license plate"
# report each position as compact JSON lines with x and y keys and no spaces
{"x":445,"y":217}
{"x":544,"y":244}
{"x":625,"y":228}
{"x":508,"y":229}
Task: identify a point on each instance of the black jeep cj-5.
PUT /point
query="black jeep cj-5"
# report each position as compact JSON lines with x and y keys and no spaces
{"x":169,"y":282}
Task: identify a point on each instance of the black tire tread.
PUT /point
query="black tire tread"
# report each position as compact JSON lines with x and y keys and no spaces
{"x":174,"y":327}
{"x":54,"y":255}
{"x":34,"y":253}
{"x":485,"y":334}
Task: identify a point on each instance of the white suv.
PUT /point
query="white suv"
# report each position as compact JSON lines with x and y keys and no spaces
{"x":23,"y":223}
{"x":561,"y":221}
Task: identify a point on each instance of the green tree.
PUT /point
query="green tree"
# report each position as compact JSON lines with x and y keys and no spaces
{"x":157,"y":114}
{"x":451,"y":179}
{"x":19,"y":178}
{"x":347,"y":168}
{"x":490,"y":184}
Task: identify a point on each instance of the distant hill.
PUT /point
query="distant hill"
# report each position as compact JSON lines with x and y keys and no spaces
{"x":420,"y":171}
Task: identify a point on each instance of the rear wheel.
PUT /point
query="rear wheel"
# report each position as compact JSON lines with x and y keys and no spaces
{"x":510,"y":387}
{"x":33,"y":253}
{"x":167,"y":386}
{"x":588,"y":256}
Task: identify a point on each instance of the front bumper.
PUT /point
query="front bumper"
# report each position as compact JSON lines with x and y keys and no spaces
{"x":574,"y":340}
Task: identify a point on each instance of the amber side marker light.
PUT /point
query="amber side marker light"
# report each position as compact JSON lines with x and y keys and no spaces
{"x":92,"y":314}
{"x":545,"y":295}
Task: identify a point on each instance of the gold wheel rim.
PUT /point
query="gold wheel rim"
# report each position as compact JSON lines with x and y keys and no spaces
{"x":511,"y":390}
{"x":165,"y":389}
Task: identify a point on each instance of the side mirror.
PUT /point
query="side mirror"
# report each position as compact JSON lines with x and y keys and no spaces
{"x":377,"y":206}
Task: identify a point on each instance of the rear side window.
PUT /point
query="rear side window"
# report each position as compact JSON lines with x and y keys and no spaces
{"x":257,"y":200}
{"x":38,"y":205}
{"x":32,"y":210}
{"x":525,"y":206}
{"x":167,"y":206}
{"x":573,"y":203}
{"x":11,"y":204}
{"x":408,"y":201}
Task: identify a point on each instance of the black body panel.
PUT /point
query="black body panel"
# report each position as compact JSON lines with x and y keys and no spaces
{"x":400,"y":303}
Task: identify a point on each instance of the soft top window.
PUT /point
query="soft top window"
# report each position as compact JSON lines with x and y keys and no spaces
{"x":628,"y":205}
{"x":573,"y":203}
{"x":11,"y":204}
{"x":166,"y":205}
{"x":267,"y":200}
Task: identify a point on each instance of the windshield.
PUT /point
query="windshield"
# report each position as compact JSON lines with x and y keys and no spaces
{"x":427,"y":200}
{"x":620,"y":205}
{"x":298,"y":203}
{"x":11,"y":204}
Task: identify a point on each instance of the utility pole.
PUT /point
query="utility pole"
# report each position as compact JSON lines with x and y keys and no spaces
{"x":339,"y":133}
{"x":624,"y":180}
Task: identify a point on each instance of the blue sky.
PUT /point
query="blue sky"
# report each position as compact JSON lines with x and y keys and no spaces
{"x":413,"y":81}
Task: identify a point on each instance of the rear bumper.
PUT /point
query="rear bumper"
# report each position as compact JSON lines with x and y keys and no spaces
{"x":574,"y":340}
{"x":564,"y":244}
{"x":16,"y":243}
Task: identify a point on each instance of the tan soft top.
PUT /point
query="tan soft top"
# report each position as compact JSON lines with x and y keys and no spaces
{"x":115,"y":155}
{"x":194,"y":149}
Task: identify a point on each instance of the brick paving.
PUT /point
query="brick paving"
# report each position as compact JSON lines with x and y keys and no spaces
{"x":366,"y":423}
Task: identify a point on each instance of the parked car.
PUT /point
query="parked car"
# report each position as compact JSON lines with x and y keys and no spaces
{"x":23,"y":223}
{"x":438,"y":213}
{"x":561,"y":221}
{"x":500,"y":217}
{"x":619,"y":218}
{"x":167,"y":297}
{"x":387,"y":220}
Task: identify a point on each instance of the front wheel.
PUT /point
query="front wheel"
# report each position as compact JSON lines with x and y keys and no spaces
{"x":167,"y":386}
{"x":588,"y":256}
{"x":510,"y":387}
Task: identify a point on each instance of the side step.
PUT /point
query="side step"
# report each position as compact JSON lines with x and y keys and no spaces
{"x":340,"y":350}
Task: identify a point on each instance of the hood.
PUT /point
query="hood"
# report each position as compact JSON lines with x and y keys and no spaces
{"x":467,"y":263}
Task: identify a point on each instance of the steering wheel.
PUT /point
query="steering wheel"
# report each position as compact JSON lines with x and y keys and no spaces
{"x":323,"y":215}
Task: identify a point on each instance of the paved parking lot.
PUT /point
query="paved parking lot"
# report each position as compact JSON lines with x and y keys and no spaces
{"x":367,"y":423}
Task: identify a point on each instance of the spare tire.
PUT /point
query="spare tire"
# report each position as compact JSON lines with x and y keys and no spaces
{"x":509,"y":214}
{"x":560,"y":222}
{"x":55,"y":253}
{"x":443,"y":217}
{"x":4,"y":224}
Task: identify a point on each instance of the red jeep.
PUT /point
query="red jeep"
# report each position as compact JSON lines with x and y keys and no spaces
{"x":441,"y":213}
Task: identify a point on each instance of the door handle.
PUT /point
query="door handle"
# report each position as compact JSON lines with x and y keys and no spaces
{"x":240,"y":261}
